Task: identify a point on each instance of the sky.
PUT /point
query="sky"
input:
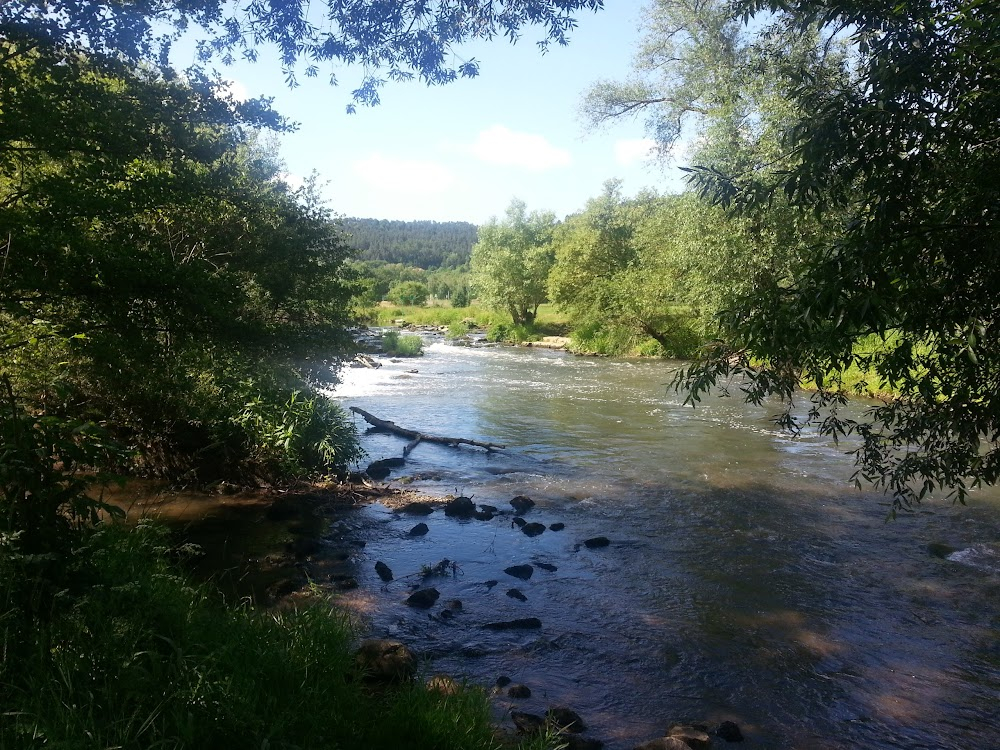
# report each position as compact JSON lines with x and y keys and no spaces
{"x":463,"y":151}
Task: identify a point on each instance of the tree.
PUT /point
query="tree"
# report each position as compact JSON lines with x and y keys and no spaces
{"x":409,"y":293}
{"x":389,"y":40}
{"x":511,"y":261}
{"x":898,"y":164}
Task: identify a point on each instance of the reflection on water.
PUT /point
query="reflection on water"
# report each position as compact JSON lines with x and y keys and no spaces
{"x":746,"y":580}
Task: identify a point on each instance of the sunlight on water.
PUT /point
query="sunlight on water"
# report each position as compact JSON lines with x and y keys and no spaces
{"x":746,"y":579}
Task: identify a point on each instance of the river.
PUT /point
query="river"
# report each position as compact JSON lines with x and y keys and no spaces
{"x":746,"y":579}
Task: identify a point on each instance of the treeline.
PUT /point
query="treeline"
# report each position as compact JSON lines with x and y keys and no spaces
{"x":423,"y":244}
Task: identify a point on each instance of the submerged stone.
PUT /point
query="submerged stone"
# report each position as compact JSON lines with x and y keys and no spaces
{"x":520,"y":571}
{"x":423,"y":598}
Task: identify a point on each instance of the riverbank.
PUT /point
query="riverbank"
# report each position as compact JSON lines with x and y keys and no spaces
{"x":335,"y":560}
{"x":132,"y":654}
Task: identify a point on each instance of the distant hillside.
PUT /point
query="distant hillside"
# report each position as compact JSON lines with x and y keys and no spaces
{"x":425,"y":244}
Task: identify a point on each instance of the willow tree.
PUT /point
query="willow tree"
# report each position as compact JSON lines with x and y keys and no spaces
{"x":511,"y":261}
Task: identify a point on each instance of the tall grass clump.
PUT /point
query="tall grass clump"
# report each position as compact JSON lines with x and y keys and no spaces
{"x":131,"y":655}
{"x":402,"y":346}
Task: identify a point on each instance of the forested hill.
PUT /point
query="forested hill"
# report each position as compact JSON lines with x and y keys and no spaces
{"x":425,"y":244}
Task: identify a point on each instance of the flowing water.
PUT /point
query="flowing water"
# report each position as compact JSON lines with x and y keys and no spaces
{"x":746,"y":579}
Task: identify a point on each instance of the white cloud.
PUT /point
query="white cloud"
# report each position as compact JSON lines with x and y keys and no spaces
{"x":503,"y":146}
{"x":628,"y":152}
{"x":390,"y":174}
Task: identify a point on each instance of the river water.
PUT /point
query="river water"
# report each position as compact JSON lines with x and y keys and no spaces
{"x":746,"y":579}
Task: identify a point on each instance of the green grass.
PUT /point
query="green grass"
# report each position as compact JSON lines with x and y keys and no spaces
{"x":402,"y":346}
{"x":133,"y":656}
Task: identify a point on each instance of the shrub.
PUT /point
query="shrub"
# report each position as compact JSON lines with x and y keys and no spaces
{"x":402,"y":346}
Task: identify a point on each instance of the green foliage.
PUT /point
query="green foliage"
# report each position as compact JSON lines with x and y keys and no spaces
{"x":900,"y":163}
{"x":510,"y":333}
{"x":154,"y":264}
{"x":408,"y":293}
{"x":460,"y":296}
{"x":303,"y":436}
{"x":377,"y":35}
{"x":511,"y":261}
{"x":402,"y":346}
{"x":133,"y":656}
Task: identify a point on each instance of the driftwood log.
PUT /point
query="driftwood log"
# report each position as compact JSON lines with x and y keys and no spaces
{"x":417,"y":437}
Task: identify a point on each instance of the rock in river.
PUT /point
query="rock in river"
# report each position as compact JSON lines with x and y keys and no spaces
{"x":533,"y":529}
{"x":558,"y":526}
{"x":546,"y":566}
{"x":519,"y":691}
{"x":520,"y":571}
{"x":522,"y":504}
{"x":423,"y":598}
{"x":729,"y":731}
{"x":565,"y":719}
{"x":419,"y":530}
{"x":417,"y":509}
{"x":597,"y":542}
{"x":527,"y":723}
{"x":384,"y":571}
{"x":516,"y":594}
{"x":460,"y":507}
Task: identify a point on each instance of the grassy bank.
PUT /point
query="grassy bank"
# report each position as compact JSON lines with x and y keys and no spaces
{"x":129,"y":654}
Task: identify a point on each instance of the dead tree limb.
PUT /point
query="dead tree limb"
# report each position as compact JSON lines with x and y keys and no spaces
{"x":416,"y":437}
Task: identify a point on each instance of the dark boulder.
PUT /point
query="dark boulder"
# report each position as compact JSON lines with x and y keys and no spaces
{"x":379,"y":470}
{"x":515,"y":594}
{"x":503,"y":681}
{"x":460,"y":507}
{"x":939,"y":549}
{"x":522,"y":623}
{"x":519,"y":692}
{"x":483,"y":515}
{"x":518,"y":521}
{"x":597,"y":542}
{"x":522,"y":504}
{"x":533,"y":529}
{"x":559,"y":526}
{"x":490,"y":584}
{"x":520,"y":571}
{"x":489,"y":509}
{"x":384,"y":571}
{"x":565,"y":719}
{"x":546,"y":566}
{"x":729,"y":731}
{"x":423,"y":598}
{"x":527,"y":723}
{"x":419,"y":530}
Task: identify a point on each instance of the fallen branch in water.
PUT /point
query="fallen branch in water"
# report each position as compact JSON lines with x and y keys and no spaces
{"x":417,"y":437}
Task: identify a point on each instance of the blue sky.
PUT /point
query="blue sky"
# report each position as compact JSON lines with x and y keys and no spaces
{"x":460,"y":152}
